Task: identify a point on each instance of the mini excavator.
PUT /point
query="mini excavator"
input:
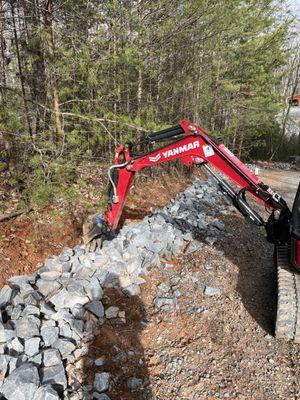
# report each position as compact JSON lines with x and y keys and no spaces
{"x":193,"y":146}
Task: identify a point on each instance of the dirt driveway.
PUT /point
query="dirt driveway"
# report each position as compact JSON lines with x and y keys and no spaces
{"x":285,"y":182}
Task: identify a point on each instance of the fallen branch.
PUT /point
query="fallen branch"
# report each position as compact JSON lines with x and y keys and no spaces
{"x":15,"y":214}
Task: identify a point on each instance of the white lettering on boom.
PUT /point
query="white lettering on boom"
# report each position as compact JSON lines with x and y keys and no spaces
{"x":181,"y":149}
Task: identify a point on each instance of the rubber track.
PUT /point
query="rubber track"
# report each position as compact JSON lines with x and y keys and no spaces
{"x":288,"y":306}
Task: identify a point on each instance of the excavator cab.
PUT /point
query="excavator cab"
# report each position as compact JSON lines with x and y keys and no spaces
{"x":294,"y":101}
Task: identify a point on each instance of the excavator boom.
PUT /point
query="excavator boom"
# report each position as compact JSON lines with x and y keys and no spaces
{"x":189,"y":143}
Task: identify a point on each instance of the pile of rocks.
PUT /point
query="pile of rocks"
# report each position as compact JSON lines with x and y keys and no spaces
{"x":49,"y":318}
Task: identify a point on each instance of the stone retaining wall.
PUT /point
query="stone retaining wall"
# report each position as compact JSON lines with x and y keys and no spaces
{"x":49,"y":318}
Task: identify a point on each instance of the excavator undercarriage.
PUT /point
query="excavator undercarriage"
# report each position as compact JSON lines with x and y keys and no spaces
{"x":189,"y":143}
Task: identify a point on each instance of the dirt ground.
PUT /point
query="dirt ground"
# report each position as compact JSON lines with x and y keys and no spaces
{"x":286,"y":182}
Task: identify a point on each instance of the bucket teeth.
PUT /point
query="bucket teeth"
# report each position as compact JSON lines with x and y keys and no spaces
{"x":92,"y":235}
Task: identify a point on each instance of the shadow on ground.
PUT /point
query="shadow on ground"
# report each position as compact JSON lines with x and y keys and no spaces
{"x":117,"y":347}
{"x":249,"y":250}
{"x":246,"y":246}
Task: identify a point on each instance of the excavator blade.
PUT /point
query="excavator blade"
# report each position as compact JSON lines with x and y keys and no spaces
{"x":92,"y":235}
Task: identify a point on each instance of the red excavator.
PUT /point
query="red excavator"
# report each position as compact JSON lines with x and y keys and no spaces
{"x":188,"y":142}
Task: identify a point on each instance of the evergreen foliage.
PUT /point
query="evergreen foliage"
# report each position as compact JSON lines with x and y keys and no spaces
{"x":78,"y":77}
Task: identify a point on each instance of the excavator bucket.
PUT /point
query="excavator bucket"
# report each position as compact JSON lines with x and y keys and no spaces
{"x":92,"y":235}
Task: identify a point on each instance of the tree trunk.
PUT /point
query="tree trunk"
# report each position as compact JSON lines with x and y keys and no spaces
{"x":20,"y":68}
{"x":48,"y":18}
{"x":139,"y":91}
{"x":215,"y":98}
{"x":36,"y":77}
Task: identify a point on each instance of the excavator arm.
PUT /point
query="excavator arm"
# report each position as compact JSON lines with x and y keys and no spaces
{"x":189,"y":143}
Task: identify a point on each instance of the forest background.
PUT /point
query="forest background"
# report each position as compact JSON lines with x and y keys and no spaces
{"x":77,"y":77}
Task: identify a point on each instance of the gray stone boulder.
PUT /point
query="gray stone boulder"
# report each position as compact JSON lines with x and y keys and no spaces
{"x":55,"y":375}
{"x":28,"y":327}
{"x":22,"y":383}
{"x":5,"y":295}
{"x":101,"y":382}
{"x":46,"y":393}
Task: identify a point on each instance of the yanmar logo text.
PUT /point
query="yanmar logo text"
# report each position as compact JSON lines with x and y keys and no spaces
{"x":173,"y":152}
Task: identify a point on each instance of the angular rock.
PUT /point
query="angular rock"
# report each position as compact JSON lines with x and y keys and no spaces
{"x":64,"y":346}
{"x":32,"y":298}
{"x":96,"y":307}
{"x":218,"y":224}
{"x":210,"y":240}
{"x":87,"y":270}
{"x":6,"y":333}
{"x":66,"y":267}
{"x":64,"y":258}
{"x":195,"y":245}
{"x":32,"y":346}
{"x":46,"y":393}
{"x":93,"y":289}
{"x":47,"y":309}
{"x":49,"y":334}
{"x":22,"y":383}
{"x":163,"y":288}
{"x":51,"y":357}
{"x":100,"y":396}
{"x":51,"y":263}
{"x":37,"y":359}
{"x":13,"y":364}
{"x":50,"y":275}
{"x":99,"y":362}
{"x":163,"y":303}
{"x":78,"y":311}
{"x":47,"y":287}
{"x":82,"y":351}
{"x":62,"y":315}
{"x":27,"y":327}
{"x":111,"y":312}
{"x":133,"y":267}
{"x":20,"y":280}
{"x":67,"y":298}
{"x":5,"y":295}
{"x":101,"y":382}
{"x":4,"y":363}
{"x":101,"y":260}
{"x":68,"y":251}
{"x":133,"y":383}
{"x":31,"y":310}
{"x":16,"y":345}
{"x":65,"y":330}
{"x":211,"y":291}
{"x":102,"y":276}
{"x":16,"y":312}
{"x":124,"y":281}
{"x":55,"y":375}
{"x":132,"y":290}
{"x":79,"y":250}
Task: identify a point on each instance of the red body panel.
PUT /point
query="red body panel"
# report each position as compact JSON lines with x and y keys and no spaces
{"x":297,"y":253}
{"x":113,"y":212}
{"x":203,"y":147}
{"x":195,"y":148}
